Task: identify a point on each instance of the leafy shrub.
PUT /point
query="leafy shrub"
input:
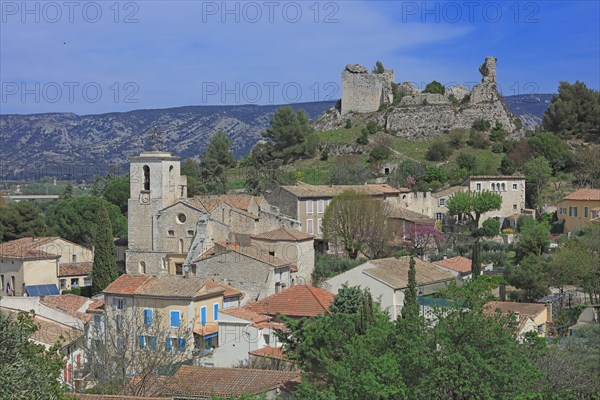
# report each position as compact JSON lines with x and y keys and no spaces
{"x":363,"y":138}
{"x":454,"y":101}
{"x":456,"y":139}
{"x":349,"y":173}
{"x":379,"y":153}
{"x":436,"y":174}
{"x":438,"y":151}
{"x":434,"y":87}
{"x":497,"y":133}
{"x":325,"y":154}
{"x":482,"y":125}
{"x":507,"y":166}
{"x":378,"y":68}
{"x":498,"y":148}
{"x":466,"y":161}
{"x":477,"y":140}
{"x":348,"y":124}
{"x":491,"y":227}
{"x":372,"y":127}
{"x":507,"y":231}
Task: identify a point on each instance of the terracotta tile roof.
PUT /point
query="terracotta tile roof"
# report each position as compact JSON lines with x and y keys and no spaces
{"x":207,"y":204}
{"x":75,"y":269}
{"x":403,"y":213}
{"x":523,"y":309}
{"x":297,"y":301}
{"x":448,"y":192}
{"x":246,"y":314}
{"x":459,"y":264}
{"x":394,"y":272}
{"x":97,"y":307}
{"x":229,"y":291}
{"x":128,"y":284}
{"x":283,"y":234}
{"x":241,"y":201}
{"x":269,"y":352}
{"x":303,"y":190}
{"x":114,"y":397}
{"x":51,"y":332}
{"x":27,"y":248}
{"x":71,"y":304}
{"x":226,"y":382}
{"x":584,"y":194}
{"x":173,"y":286}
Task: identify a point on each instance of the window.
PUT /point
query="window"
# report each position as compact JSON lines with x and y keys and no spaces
{"x":563,"y":210}
{"x":147,"y":317}
{"x":319,"y":226}
{"x":514,"y":207}
{"x":442,"y":202}
{"x":272,"y":253}
{"x":439,"y":216}
{"x":586,"y":212}
{"x":175,"y":319}
{"x":203,"y":315}
{"x":97,"y":322}
{"x":216,"y":311}
{"x":320,"y":206}
{"x":178,"y":269}
{"x":119,"y":303}
{"x":171,"y":232}
{"x":181,"y":344}
{"x":478,"y":186}
{"x":146,"y":341}
{"x":74,"y":258}
{"x":515,"y":186}
{"x":309,"y":226}
{"x":142,"y":267}
{"x":74,"y":283}
{"x":309,"y":206}
{"x":87,"y":281}
{"x":190,"y":233}
{"x":181,"y":218}
{"x":146,"y":177}
{"x":63,"y":283}
{"x":504,"y":187}
{"x":493,"y":187}
{"x":267,"y":338}
{"x":572,"y":211}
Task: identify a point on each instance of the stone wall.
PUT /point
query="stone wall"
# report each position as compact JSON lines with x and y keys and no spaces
{"x":363,"y":92}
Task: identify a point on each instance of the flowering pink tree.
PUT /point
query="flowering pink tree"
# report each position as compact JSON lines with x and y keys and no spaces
{"x":423,"y":236}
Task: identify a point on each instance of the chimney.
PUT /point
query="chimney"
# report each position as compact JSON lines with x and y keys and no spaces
{"x":186,"y":272}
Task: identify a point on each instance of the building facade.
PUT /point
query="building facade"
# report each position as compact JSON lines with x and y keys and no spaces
{"x":579,"y":208}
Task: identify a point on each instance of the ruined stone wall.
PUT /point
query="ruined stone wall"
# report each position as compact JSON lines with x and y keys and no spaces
{"x":363,"y":92}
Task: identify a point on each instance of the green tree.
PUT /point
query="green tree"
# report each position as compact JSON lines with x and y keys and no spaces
{"x":379,"y":153}
{"x":21,"y":219}
{"x":436,"y":174}
{"x":507,"y":166}
{"x":551,"y":147}
{"x":411,"y":306}
{"x":497,"y":133}
{"x":349,"y":173}
{"x":104,"y":270}
{"x":533,"y":237}
{"x":438,"y":151}
{"x":476,"y":259}
{"x":27,"y":370}
{"x":214,"y":160}
{"x":262,"y":172}
{"x":434,"y":87}
{"x":530,"y":277}
{"x":116,"y":191}
{"x":378,"y":68}
{"x":467,"y":161}
{"x":219,"y":148}
{"x":363,"y":138}
{"x":191,"y":170}
{"x":75,"y":219}
{"x":574,"y":110}
{"x":68,"y":193}
{"x":537,"y":176}
{"x":291,"y":136}
{"x":491,"y":227}
{"x":474,"y":204}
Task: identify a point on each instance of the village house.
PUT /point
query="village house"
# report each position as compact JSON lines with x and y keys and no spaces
{"x":459,"y":266}
{"x":406,"y":223}
{"x":307,"y":203}
{"x":179,"y":313}
{"x":531,"y":317}
{"x":34,"y":266}
{"x":296,"y":302}
{"x":387,"y":278}
{"x":579,"y":208}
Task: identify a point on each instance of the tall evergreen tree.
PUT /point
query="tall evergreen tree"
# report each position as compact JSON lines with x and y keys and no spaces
{"x":104,"y":270}
{"x":68,"y":193}
{"x":476,"y":259}
{"x":411,"y":307}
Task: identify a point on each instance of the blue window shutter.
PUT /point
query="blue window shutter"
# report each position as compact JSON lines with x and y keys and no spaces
{"x":181,"y":344}
{"x":153,"y":341}
{"x":141,"y":342}
{"x":147,"y":317}
{"x":216,"y":312}
{"x":203,"y":315}
{"x":175,"y":319}
{"x":168,"y":344}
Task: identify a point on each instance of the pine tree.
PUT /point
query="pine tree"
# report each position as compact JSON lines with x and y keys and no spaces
{"x":104,"y":270}
{"x":68,"y":192}
{"x":410,"y":294}
{"x":476,"y":259}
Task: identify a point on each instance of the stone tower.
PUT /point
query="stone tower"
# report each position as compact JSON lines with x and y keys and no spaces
{"x":364,"y":92}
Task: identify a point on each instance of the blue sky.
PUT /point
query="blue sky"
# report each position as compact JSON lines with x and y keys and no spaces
{"x":95,"y":57}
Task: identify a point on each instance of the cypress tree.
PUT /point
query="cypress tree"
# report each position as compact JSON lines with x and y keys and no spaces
{"x":410,"y":294}
{"x":476,"y":259}
{"x":104,"y":270}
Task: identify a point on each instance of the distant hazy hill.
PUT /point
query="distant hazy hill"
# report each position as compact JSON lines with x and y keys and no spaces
{"x":70,"y":146}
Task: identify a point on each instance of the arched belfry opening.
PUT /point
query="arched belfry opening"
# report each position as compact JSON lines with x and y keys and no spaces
{"x":146,"y":177}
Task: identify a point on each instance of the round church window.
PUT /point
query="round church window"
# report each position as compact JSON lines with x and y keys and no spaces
{"x":181,"y":218}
